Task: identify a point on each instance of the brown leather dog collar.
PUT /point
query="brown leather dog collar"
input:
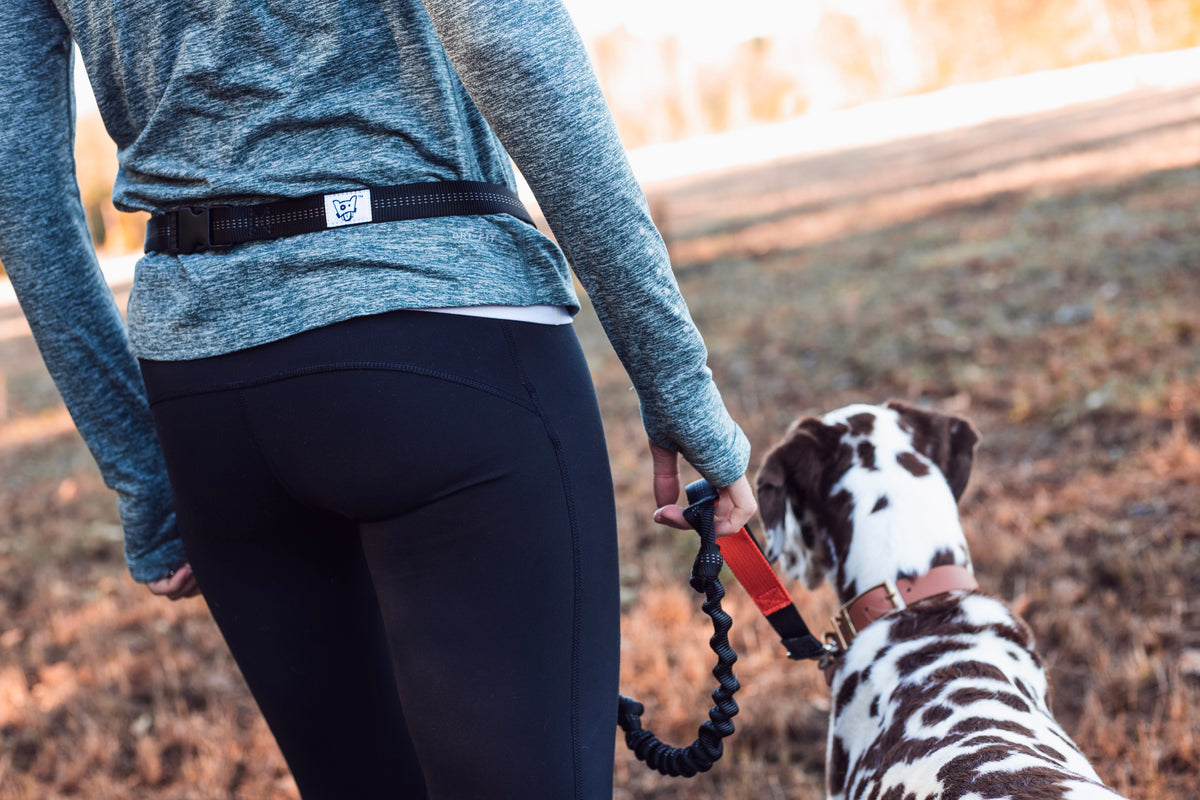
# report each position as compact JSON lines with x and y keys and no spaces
{"x":889,"y":596}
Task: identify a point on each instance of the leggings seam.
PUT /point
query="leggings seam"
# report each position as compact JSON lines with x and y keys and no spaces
{"x":576,"y":557}
{"x":252,"y":436}
{"x":350,"y":366}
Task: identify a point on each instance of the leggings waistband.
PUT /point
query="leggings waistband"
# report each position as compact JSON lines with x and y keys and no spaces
{"x":465,"y":346}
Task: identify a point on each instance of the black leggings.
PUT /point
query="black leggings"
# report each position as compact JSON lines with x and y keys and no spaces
{"x":403,"y":525}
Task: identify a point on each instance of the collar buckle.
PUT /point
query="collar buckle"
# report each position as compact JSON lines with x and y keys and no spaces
{"x":843,"y":624}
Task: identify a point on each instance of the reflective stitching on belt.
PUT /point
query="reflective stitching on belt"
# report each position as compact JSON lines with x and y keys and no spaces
{"x":219,"y":227}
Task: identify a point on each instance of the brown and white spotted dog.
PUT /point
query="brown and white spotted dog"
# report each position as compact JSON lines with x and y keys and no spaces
{"x":944,"y":698}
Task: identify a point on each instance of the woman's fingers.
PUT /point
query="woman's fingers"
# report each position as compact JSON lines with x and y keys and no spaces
{"x":735,"y":502}
{"x":666,"y":474}
{"x":179,"y":584}
{"x":735,"y":506}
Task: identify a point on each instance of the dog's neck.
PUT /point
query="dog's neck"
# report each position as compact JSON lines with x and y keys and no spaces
{"x":907,"y":538}
{"x":890,"y":515}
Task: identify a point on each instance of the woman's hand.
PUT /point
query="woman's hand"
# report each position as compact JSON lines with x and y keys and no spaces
{"x":735,"y":502}
{"x":179,"y":584}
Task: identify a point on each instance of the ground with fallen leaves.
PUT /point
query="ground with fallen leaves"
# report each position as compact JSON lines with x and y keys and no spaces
{"x":1040,"y":275}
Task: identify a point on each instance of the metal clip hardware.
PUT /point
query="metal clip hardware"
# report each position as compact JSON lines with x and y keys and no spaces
{"x":831,"y":651}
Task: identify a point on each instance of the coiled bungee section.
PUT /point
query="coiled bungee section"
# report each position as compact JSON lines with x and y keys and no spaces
{"x":701,"y":754}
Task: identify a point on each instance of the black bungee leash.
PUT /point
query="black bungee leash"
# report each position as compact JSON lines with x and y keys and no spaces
{"x":701,"y":754}
{"x":760,"y":581}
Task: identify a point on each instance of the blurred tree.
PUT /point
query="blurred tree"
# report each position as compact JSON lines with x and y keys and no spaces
{"x":96,"y":167}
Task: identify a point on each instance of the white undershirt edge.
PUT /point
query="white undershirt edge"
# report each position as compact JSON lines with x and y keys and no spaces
{"x":542,"y":315}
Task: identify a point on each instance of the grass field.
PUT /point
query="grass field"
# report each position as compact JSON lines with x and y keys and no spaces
{"x":1040,"y":275}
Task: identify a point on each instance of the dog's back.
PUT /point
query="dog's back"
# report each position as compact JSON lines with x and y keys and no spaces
{"x":945,"y":698}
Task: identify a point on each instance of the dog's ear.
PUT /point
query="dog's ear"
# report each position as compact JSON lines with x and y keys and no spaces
{"x":946,"y":440}
{"x":771,"y":487}
{"x":792,"y":469}
{"x":790,"y":480}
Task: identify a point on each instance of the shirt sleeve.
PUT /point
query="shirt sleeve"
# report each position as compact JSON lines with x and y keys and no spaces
{"x":47,"y":252}
{"x":525,"y":67}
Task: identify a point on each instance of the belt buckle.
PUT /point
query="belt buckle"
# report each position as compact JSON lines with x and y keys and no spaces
{"x":193,"y":231}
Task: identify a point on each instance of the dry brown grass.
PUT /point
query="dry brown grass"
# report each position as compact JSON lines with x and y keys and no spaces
{"x":1038,"y":275}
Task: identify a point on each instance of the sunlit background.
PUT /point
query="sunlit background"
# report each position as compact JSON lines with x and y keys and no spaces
{"x":686,"y":68}
{"x":675,"y":70}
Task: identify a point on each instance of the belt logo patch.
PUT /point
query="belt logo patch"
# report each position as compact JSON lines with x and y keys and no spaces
{"x":347,"y":208}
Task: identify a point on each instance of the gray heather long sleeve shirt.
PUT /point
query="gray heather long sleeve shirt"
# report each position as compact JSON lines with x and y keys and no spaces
{"x":235,"y":101}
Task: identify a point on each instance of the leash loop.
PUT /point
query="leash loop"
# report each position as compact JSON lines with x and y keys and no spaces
{"x":701,"y":754}
{"x":702,"y":501}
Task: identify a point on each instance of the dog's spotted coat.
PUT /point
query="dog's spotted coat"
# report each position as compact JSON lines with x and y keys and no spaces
{"x":946,"y":699}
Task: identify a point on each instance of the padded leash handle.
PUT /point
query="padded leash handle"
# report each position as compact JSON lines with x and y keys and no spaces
{"x":701,"y":754}
{"x":748,"y":564}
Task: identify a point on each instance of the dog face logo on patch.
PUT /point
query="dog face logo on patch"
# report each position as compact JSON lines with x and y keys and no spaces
{"x":344,"y":209}
{"x":347,"y":208}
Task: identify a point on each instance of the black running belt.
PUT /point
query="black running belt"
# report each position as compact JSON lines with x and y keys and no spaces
{"x":211,"y":228}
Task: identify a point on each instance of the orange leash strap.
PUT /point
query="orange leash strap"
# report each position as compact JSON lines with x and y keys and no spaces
{"x":743,"y":555}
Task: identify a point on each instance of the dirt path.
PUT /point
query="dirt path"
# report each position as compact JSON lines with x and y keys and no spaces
{"x":803,"y":200}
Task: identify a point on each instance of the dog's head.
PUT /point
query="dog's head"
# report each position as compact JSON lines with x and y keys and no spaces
{"x":889,"y":469}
